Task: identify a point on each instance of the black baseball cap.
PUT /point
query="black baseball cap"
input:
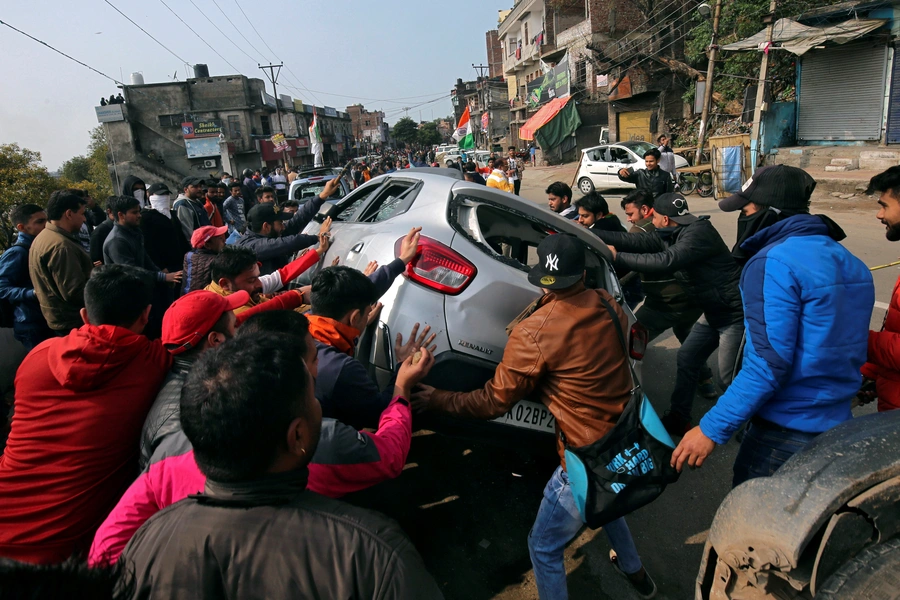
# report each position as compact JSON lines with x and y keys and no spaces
{"x":675,"y":207}
{"x":190,"y":180}
{"x":779,"y":186}
{"x":158,"y":189}
{"x":266,"y":213}
{"x":560,"y":262}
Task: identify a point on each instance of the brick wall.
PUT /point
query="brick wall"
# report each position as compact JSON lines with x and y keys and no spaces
{"x":494,"y":54}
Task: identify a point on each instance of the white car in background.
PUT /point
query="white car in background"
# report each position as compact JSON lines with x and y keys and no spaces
{"x":600,"y":165}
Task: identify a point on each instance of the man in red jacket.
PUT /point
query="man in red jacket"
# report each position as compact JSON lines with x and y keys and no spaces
{"x":883,"y":364}
{"x":80,"y":403}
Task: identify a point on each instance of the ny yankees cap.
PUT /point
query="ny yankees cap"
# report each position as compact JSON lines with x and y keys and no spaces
{"x":560,"y":262}
{"x":675,"y":207}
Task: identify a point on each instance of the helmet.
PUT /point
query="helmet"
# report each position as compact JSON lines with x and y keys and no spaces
{"x":247,"y":173}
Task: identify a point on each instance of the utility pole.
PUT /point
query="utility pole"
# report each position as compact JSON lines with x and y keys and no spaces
{"x":769,"y":19}
{"x":273,"y":77}
{"x":482,"y":97}
{"x":708,"y":91}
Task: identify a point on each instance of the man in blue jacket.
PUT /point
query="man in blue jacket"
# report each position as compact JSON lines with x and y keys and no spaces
{"x":807,"y":304}
{"x":29,"y":325}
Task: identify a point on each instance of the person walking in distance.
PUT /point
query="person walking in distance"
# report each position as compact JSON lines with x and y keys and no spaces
{"x":563,"y":351}
{"x":515,"y":169}
{"x":667,"y":157}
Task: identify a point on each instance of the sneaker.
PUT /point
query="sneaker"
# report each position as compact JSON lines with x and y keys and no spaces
{"x":675,"y":424}
{"x":707,"y":389}
{"x":641,"y":581}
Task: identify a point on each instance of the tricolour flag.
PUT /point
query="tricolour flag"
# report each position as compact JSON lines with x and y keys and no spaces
{"x":314,"y":136}
{"x":464,"y":136}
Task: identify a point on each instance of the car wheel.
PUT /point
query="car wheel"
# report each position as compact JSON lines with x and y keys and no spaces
{"x":870,"y":574}
{"x":585,"y":185}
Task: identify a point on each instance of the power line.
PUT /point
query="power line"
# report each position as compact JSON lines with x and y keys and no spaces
{"x":113,"y":79}
{"x":202,"y":39}
{"x":220,"y":31}
{"x":148,"y":34}
{"x":254,"y":29}
{"x":238,"y":29}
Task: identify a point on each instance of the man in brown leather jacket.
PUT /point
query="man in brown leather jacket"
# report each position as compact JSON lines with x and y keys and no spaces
{"x":553,"y":356}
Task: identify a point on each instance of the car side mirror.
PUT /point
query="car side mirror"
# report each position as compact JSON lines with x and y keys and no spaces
{"x":327,"y":210}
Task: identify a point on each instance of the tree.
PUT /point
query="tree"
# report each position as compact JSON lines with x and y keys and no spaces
{"x":23,"y":179}
{"x":99,"y":171}
{"x":429,"y":135}
{"x":406,"y":131}
{"x":77,"y":168}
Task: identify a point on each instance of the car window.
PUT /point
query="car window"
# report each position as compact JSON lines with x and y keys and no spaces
{"x":619,"y":155}
{"x":395,"y":199}
{"x":598,"y":155}
{"x":355,"y":201}
{"x":305,"y":191}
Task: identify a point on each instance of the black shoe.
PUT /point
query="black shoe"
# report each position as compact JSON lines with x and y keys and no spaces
{"x":641,"y":581}
{"x":675,"y":424}
{"x":707,"y":389}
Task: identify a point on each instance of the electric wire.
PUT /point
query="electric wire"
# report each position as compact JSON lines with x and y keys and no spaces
{"x":202,"y":39}
{"x":220,"y":31}
{"x":236,"y":28}
{"x":169,"y":50}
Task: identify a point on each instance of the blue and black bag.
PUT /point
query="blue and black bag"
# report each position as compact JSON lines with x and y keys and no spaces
{"x":628,"y":467}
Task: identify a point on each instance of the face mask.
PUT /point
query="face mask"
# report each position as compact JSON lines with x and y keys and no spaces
{"x":139,"y":195}
{"x":226,"y":181}
{"x":748,"y":226}
{"x":161,"y":204}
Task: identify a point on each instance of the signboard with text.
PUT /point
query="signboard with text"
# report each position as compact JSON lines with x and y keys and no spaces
{"x":555,"y":84}
{"x":201,"y":129}
{"x":330,"y":112}
{"x":202,"y":147}
{"x":110,"y":113}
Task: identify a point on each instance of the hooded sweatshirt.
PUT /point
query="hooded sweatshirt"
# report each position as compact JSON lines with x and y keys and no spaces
{"x":129,"y":183}
{"x":81,"y":401}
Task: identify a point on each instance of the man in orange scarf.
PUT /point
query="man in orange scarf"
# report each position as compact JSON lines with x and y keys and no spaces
{"x":344,"y":302}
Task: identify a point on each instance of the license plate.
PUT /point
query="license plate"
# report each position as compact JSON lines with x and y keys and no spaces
{"x":529,"y":415}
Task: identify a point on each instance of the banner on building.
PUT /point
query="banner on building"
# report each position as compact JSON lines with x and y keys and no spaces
{"x":110,"y":113}
{"x":330,"y":112}
{"x":280,"y":142}
{"x":201,"y":129}
{"x":484,"y":121}
{"x":268,"y":99}
{"x":554,"y":84}
{"x":202,"y":147}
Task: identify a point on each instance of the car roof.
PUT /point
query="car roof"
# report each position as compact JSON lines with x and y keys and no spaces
{"x":314,"y":178}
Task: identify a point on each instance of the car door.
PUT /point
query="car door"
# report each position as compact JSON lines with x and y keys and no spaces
{"x":619,"y":158}
{"x":595,"y":164}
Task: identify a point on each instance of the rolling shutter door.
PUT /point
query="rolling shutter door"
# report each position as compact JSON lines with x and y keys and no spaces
{"x":893,"y":124}
{"x":842,"y":93}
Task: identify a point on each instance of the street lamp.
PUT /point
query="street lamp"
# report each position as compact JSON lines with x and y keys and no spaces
{"x":704,"y":10}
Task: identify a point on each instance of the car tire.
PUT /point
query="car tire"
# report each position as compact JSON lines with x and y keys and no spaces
{"x":870,"y":574}
{"x":585,"y":185}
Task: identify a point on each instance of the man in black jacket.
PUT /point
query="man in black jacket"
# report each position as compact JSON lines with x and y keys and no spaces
{"x":101,"y":231}
{"x":690,"y":247}
{"x":275,"y":235}
{"x":651,"y":178}
{"x":256,"y":530}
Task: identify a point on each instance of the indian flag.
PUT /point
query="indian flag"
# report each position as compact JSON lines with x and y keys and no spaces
{"x":464,"y":136}
{"x":314,"y":129}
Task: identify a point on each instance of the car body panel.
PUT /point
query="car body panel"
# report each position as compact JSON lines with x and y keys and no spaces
{"x":772,"y":528}
{"x":304,"y":188}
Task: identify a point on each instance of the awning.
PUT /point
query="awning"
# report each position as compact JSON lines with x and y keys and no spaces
{"x":542,"y":117}
{"x":798,"y":38}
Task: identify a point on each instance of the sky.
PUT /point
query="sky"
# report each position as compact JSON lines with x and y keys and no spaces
{"x":408,"y":52}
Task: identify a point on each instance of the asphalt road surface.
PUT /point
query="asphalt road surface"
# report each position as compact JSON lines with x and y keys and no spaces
{"x":468,"y":504}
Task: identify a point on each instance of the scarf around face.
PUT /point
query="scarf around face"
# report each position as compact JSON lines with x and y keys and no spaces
{"x":334,"y":333}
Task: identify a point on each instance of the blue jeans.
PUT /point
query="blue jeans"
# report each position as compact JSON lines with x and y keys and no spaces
{"x":693,"y":354}
{"x":764,"y":449}
{"x":557,"y":523}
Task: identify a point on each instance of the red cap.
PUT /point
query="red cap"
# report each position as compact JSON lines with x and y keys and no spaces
{"x":203,"y":234}
{"x":191,"y":317}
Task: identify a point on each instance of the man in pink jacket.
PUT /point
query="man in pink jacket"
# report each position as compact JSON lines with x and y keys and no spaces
{"x":345,"y":461}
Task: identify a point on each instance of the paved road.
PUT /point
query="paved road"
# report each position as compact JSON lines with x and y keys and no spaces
{"x":468,"y":505}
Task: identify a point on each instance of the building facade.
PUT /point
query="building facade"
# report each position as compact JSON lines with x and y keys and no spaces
{"x":209,"y":125}
{"x":368,"y":127}
{"x":494,"y":54}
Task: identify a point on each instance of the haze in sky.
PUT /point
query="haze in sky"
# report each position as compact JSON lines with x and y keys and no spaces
{"x":406,"y":52}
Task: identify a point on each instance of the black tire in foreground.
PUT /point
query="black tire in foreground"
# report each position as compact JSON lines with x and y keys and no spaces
{"x":873,"y":574}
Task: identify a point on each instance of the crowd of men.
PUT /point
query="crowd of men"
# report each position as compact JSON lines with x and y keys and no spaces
{"x":180,"y":413}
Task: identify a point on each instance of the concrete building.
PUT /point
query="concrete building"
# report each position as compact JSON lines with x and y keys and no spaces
{"x":209,"y":125}
{"x":368,"y":127}
{"x":494,"y":54}
{"x":464,"y":94}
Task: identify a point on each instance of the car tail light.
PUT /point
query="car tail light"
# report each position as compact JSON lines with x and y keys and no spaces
{"x":640,"y":337}
{"x":438,"y":267}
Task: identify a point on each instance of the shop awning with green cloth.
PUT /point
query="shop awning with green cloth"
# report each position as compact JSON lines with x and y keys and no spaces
{"x":555,"y":121}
